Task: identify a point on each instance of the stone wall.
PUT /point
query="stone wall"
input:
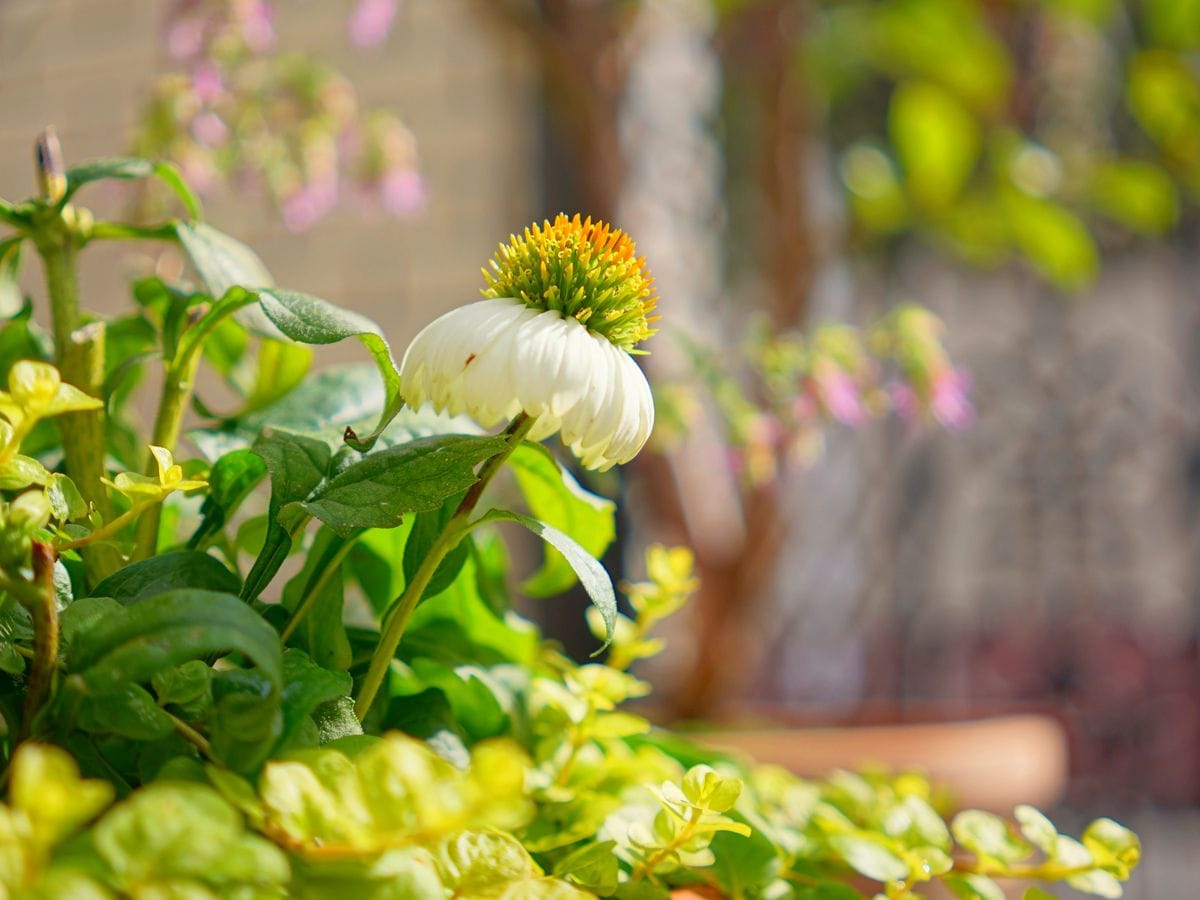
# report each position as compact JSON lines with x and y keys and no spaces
{"x":87,"y":66}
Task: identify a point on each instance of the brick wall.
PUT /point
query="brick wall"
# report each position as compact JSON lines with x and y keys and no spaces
{"x":86,"y":66}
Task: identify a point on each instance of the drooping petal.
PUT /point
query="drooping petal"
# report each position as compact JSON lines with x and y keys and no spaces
{"x":495,"y":358}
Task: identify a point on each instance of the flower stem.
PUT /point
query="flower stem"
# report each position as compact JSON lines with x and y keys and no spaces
{"x":178,"y":382}
{"x":45,"y":635}
{"x":396,"y":620}
{"x":316,"y":586}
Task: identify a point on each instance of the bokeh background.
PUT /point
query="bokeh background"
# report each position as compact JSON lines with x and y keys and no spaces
{"x":1017,"y":533}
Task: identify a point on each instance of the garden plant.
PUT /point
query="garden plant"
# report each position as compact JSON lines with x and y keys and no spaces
{"x":291,"y":666}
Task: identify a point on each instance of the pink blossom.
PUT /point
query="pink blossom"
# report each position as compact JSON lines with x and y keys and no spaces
{"x":840,"y":395}
{"x":307,"y":206}
{"x":371,"y":22}
{"x":949,"y":401}
{"x":185,"y":38}
{"x":402,"y":192}
{"x":210,"y":129}
{"x":207,"y":83}
{"x":257,"y":29}
{"x":905,"y":401}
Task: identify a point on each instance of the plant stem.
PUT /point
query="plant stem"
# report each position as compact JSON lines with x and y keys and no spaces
{"x":45,"y":635}
{"x":178,"y":382}
{"x":191,"y":735}
{"x":318,"y":585}
{"x":122,"y":231}
{"x":396,"y":620}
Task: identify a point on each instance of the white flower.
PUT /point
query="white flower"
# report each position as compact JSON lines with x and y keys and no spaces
{"x":496,"y":358}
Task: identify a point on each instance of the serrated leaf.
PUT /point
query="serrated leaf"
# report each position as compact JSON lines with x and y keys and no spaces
{"x":556,"y":498}
{"x":412,"y":477}
{"x":591,"y":574}
{"x":311,"y":320}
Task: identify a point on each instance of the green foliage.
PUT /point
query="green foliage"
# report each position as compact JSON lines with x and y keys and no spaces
{"x":383,"y":724}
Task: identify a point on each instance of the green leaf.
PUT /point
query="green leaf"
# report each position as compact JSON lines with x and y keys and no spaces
{"x":44,"y":784}
{"x":987,"y":836}
{"x":223,"y":262}
{"x":867,"y":855}
{"x":1038,"y":830}
{"x":12,"y":298}
{"x":297,"y":464}
{"x":744,"y":865}
{"x":478,"y":862}
{"x":163,"y":631}
{"x":159,"y":574}
{"x":937,"y":142}
{"x":426,"y":528}
{"x":310,"y":320}
{"x":1054,"y":240}
{"x":468,"y":690}
{"x":184,"y":685}
{"x":1138,"y":194}
{"x":129,"y":712}
{"x":230,"y":481}
{"x":1114,"y":846}
{"x":1097,"y":882}
{"x":591,"y":574}
{"x":555,"y":497}
{"x":177,"y":830}
{"x":306,"y":687}
{"x":322,"y":632}
{"x":974,"y":887}
{"x":593,"y":866}
{"x":413,"y":477}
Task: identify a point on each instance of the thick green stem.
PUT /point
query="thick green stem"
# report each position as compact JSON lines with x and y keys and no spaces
{"x":396,"y":620}
{"x":45,"y":635}
{"x":79,"y":354}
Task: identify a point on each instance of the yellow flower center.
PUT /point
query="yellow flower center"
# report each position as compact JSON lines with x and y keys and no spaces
{"x":587,"y":270}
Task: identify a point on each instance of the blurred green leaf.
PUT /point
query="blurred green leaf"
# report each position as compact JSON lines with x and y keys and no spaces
{"x":12,"y":298}
{"x":1054,"y":241}
{"x":868,"y":855}
{"x":174,"y":830}
{"x":946,"y":41}
{"x":937,"y":142}
{"x":1138,"y":194}
{"x":1172,"y":23}
{"x":987,"y":836}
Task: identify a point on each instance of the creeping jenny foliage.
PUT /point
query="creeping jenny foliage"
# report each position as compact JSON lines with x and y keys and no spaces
{"x":183,"y":720}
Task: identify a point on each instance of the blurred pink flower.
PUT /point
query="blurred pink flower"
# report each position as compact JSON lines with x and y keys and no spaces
{"x":371,"y":22}
{"x":839,"y":393}
{"x":905,"y":402}
{"x":185,"y":38}
{"x":255,"y":18}
{"x":207,"y":83}
{"x":402,"y":192}
{"x":313,"y":202}
{"x":949,"y":401}
{"x":210,"y":129}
